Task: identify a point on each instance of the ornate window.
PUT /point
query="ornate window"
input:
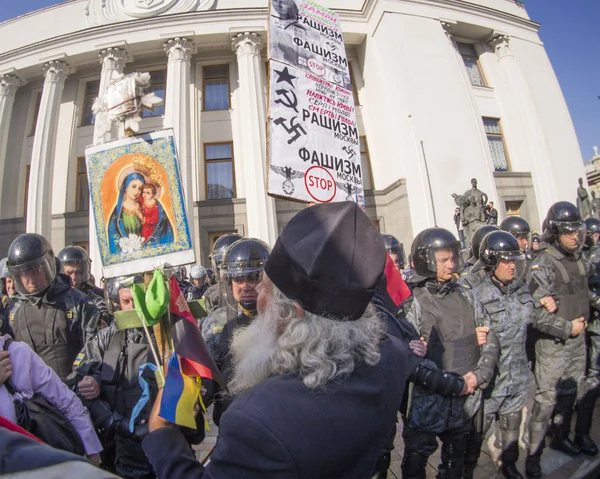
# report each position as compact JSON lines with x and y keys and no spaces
{"x":471,"y":61}
{"x":365,"y":160}
{"x":158,"y":86}
{"x":220,"y":172}
{"x":92,"y":88}
{"x":493,"y":131}
{"x":215,"y":87}
{"x":82,"y":191}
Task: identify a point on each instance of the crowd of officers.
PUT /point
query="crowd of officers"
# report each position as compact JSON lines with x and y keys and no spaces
{"x":476,"y":330}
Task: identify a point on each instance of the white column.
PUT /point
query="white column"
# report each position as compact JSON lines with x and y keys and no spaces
{"x":8,"y":88}
{"x":113,"y":62}
{"x":262,"y":220}
{"x":178,"y":114}
{"x":39,"y":204}
{"x":519,"y":96}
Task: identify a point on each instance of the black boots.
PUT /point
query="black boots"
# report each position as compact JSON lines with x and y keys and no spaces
{"x":586,"y":444}
{"x":562,"y":422}
{"x":510,"y":471}
{"x":533,"y":469}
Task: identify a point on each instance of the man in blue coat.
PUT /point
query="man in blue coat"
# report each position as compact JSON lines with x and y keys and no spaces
{"x":318,"y":383}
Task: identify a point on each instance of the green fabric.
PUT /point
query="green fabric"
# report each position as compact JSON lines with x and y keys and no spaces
{"x":131,"y":223}
{"x":139,"y":300}
{"x":157,"y":297}
{"x":198,"y":308}
{"x":127,"y":320}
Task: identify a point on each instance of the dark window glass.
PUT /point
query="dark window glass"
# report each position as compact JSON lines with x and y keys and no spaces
{"x":215,"y":87}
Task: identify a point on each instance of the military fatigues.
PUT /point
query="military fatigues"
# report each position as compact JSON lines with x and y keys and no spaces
{"x":446,"y":316}
{"x":472,"y":275}
{"x":97,"y":297}
{"x":213,"y":298}
{"x":510,"y":309}
{"x":55,"y":325}
{"x":560,"y":358}
{"x":113,"y":358}
{"x":212,"y":327}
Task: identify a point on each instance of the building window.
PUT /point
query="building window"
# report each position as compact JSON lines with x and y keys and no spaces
{"x":220,"y":174}
{"x":82,"y":199}
{"x":471,"y":60}
{"x":27,"y":175}
{"x":92,"y":88}
{"x":215,"y":87}
{"x":158,"y":86}
{"x":367,"y":175}
{"x":513,"y":208}
{"x":83,"y":244}
{"x":36,"y":111}
{"x":495,"y":139}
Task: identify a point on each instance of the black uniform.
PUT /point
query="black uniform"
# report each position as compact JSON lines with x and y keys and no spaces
{"x":97,"y":297}
{"x":57,"y":324}
{"x":195,"y":292}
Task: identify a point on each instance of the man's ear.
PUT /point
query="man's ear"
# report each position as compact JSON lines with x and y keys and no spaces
{"x":299,"y":310}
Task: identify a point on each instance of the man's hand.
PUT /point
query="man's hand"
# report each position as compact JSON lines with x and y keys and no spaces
{"x":549,"y":304}
{"x":418,"y":347}
{"x":94,"y":459}
{"x":5,"y":366}
{"x":156,"y":422}
{"x":579,"y":325}
{"x":470,"y":383}
{"x":89,"y":387}
{"x":482,"y":332}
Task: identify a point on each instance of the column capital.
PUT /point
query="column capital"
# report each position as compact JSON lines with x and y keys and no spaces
{"x":113,"y":58}
{"x":9,"y":84}
{"x":56,"y":71}
{"x":501,"y":44}
{"x":179,"y":48}
{"x":447,"y":26}
{"x":247,"y":44}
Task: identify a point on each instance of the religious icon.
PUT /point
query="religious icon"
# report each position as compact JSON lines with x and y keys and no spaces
{"x":138,"y":203}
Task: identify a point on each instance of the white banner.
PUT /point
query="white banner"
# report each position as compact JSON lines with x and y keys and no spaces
{"x":314,"y":147}
{"x":308,"y":36}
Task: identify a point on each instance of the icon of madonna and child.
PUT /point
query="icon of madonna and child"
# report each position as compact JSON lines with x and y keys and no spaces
{"x":140,"y":218}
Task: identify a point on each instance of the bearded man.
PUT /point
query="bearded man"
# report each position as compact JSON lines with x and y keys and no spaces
{"x":317,"y":382}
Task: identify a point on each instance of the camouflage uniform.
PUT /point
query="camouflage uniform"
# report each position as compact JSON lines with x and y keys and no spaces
{"x":510,"y":309}
{"x":213,"y":298}
{"x":560,"y":358}
{"x":212,"y":327}
{"x":472,"y":275}
{"x":97,"y":297}
{"x":446,"y":316}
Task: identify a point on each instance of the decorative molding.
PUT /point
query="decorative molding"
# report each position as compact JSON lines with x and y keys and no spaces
{"x":179,"y":49}
{"x":56,"y":71}
{"x":9,"y":84}
{"x":501,"y":45}
{"x":247,"y":44}
{"x":113,"y":58}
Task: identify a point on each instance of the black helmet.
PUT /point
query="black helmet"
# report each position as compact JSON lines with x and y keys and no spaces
{"x":515,"y":225}
{"x":592,"y":227}
{"x":76,"y":255}
{"x":478,"y":238}
{"x":116,"y":301}
{"x":425,"y":245}
{"x":221,"y":246}
{"x":564,"y":218}
{"x":393,"y":246}
{"x":211,"y":275}
{"x":500,"y":246}
{"x":32,"y":264}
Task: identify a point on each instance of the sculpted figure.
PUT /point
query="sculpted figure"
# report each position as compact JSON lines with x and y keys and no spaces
{"x":472,"y":213}
{"x":584,"y":204}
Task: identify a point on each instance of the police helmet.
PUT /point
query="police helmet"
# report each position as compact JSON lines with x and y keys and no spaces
{"x":393,"y":246}
{"x":220,"y":248}
{"x":32,"y":263}
{"x":499,"y":246}
{"x":116,"y":300}
{"x":75,"y":256}
{"x":427,"y":243}
{"x":592,"y":227}
{"x":478,"y":238}
{"x":211,"y":275}
{"x":197,"y":272}
{"x":563,"y":218}
{"x":519,"y":228}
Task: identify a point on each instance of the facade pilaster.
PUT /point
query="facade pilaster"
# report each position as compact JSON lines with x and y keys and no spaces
{"x":39,"y":204}
{"x":262,"y":219}
{"x":178,"y":115}
{"x":518,"y":98}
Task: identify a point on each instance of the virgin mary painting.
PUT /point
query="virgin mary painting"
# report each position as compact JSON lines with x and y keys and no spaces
{"x":138,"y":219}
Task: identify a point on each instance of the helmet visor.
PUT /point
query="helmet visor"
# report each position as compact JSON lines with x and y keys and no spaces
{"x":35,"y":276}
{"x":572,"y":235}
{"x":443,"y":262}
{"x":78,"y":271}
{"x":511,"y":267}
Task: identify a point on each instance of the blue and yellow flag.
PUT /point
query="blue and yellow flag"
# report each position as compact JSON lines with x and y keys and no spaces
{"x":180,"y":396}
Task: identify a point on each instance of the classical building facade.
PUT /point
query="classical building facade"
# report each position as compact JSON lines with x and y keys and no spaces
{"x":445,"y":90}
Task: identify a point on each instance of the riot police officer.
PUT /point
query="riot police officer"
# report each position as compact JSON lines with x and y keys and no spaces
{"x":473,"y":271}
{"x":198,"y":286}
{"x":520,"y":229}
{"x":591,"y":247}
{"x":509,"y":306}
{"x":76,"y":264}
{"x":395,"y":250}
{"x":558,"y":279}
{"x":241,"y":272}
{"x":446,"y":316}
{"x":53,"y":318}
{"x":214,"y":294}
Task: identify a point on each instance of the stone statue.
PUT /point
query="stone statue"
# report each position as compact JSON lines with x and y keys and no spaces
{"x":595,"y":205}
{"x":583,"y":201}
{"x":595,"y":148}
{"x":472,"y":212}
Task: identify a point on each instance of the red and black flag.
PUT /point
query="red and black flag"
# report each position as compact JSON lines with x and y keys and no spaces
{"x":396,"y":286}
{"x":187,"y":340}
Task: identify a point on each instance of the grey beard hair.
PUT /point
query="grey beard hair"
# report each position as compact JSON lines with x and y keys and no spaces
{"x":318,"y":349}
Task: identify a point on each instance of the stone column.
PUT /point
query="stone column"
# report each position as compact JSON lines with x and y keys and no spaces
{"x":8,"y":87}
{"x":518,"y":96}
{"x":39,"y":204}
{"x":113,"y":62}
{"x":178,"y":115}
{"x":262,"y":220}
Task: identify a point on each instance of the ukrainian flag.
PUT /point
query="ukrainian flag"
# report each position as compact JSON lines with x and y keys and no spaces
{"x":180,"y":395}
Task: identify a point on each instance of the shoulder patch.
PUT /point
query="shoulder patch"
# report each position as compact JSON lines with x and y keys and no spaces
{"x":12,"y":316}
{"x":80,"y":357}
{"x":535,"y":266}
{"x":69,"y":314}
{"x":217,"y":329}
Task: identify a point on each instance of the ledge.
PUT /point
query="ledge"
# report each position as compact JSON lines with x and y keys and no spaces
{"x":512,"y":174}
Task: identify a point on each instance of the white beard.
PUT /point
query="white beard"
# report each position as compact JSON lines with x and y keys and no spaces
{"x":253,"y":349}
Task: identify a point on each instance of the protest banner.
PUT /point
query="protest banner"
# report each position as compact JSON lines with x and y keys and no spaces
{"x":138,"y":204}
{"x":308,"y":36}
